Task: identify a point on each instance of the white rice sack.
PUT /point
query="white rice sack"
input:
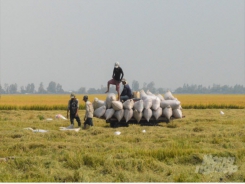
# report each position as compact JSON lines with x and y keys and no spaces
{"x":155,"y":103}
{"x":174,"y":104}
{"x":99,"y":112}
{"x":168,"y":96}
{"x":160,"y":96}
{"x":157,"y":113}
{"x":137,"y":115}
{"x":149,"y":93}
{"x":98,"y":103}
{"x":167,"y":112}
{"x":128,"y":114}
{"x":177,"y":113}
{"x":109,"y":113}
{"x":143,"y":95}
{"x":128,"y":104}
{"x":147,"y":113}
{"x":147,"y":103}
{"x":119,"y":114}
{"x":136,"y":94}
{"x":117,"y":105}
{"x":139,"y":105}
{"x":110,"y":97}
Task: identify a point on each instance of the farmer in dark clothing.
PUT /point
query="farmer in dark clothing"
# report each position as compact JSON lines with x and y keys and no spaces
{"x":126,"y":92}
{"x":117,"y":76}
{"x":73,"y":106}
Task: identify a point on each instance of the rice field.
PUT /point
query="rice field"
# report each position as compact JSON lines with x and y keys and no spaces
{"x":174,"y":152}
{"x":59,"y":102}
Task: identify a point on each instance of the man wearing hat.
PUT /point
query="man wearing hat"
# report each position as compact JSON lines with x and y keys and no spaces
{"x":88,"y":119}
{"x":117,"y":76}
{"x":73,"y":106}
{"x":126,"y":92}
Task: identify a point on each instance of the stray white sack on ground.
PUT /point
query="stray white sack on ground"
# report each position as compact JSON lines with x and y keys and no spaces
{"x":117,"y":133}
{"x":71,"y":129}
{"x":59,"y":116}
{"x":36,"y":130}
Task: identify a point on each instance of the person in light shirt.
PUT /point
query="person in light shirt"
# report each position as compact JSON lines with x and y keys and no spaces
{"x":88,"y":118}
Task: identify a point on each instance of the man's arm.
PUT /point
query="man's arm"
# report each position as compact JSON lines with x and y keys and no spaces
{"x":86,"y":107}
{"x":113,"y":73}
{"x":129,"y":92}
{"x":77,"y":107}
{"x":68,"y":109}
{"x":121,"y":75}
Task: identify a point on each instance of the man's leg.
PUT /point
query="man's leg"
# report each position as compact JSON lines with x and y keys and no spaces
{"x":90,"y":121}
{"x":78,"y":120}
{"x":118,"y":96}
{"x":92,"y":124}
{"x":118,"y":90}
{"x":124,"y":98}
{"x":71,"y":120}
{"x":108,"y":86}
{"x":112,"y":81}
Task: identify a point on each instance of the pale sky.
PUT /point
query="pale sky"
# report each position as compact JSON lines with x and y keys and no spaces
{"x":76,"y":42}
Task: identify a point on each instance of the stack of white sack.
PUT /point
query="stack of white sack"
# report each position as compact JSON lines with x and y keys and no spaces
{"x":149,"y":105}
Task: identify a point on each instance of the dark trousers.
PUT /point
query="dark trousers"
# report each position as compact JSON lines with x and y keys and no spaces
{"x":89,"y":121}
{"x":72,"y":117}
{"x":124,"y":98}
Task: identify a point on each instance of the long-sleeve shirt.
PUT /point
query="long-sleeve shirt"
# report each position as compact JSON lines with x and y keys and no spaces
{"x":118,"y":74}
{"x":126,"y":91}
{"x":89,"y":110}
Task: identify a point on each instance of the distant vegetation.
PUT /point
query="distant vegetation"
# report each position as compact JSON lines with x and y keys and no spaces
{"x":56,"y":88}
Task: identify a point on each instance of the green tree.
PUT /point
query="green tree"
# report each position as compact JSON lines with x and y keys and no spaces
{"x":135,"y":85}
{"x":22,"y":90}
{"x":81,"y":90}
{"x":41,"y":89}
{"x":59,"y":89}
{"x":13,"y":88}
{"x":51,"y":87}
{"x":30,"y":88}
{"x":1,"y":90}
{"x":151,"y":87}
{"x":92,"y":91}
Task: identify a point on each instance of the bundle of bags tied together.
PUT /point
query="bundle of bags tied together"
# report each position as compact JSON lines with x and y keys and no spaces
{"x":149,"y":105}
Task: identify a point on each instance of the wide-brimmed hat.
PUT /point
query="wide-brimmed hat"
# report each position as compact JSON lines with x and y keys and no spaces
{"x":116,"y":64}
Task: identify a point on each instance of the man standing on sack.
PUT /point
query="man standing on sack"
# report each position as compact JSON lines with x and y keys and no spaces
{"x":126,"y":92}
{"x":117,"y":76}
{"x":73,"y":106}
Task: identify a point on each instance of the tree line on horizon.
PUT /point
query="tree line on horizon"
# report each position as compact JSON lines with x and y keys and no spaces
{"x":56,"y":88}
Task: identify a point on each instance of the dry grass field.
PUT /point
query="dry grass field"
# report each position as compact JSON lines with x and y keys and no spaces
{"x":165,"y":153}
